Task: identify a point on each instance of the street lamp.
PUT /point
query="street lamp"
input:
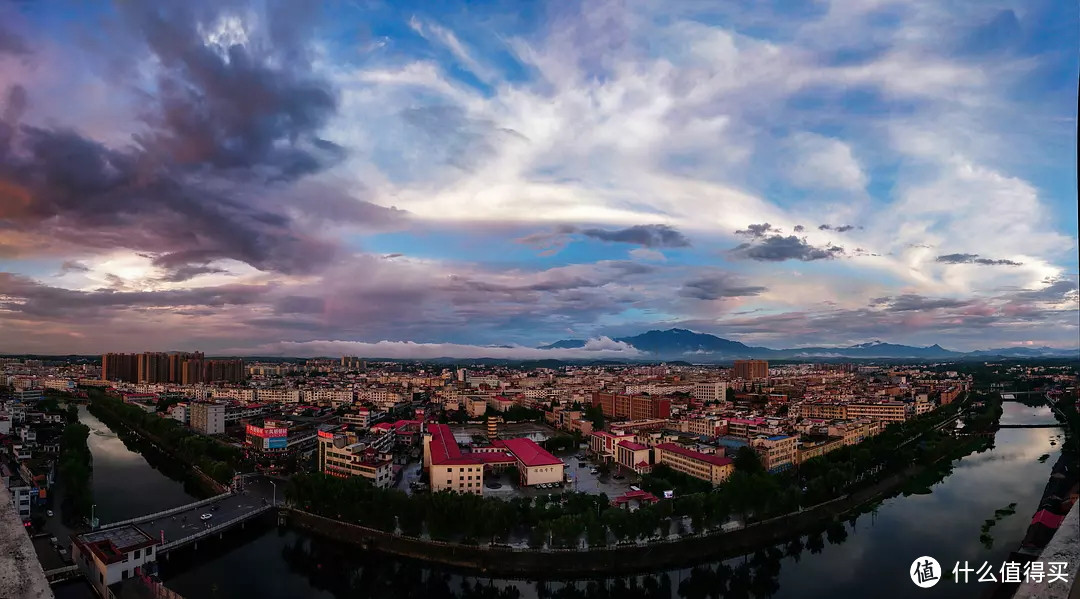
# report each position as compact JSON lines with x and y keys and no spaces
{"x":93,"y":520}
{"x":275,"y":491}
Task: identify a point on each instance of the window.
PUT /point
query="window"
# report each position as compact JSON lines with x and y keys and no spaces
{"x":138,"y":553}
{"x":149,"y":551}
{"x":123,"y":574}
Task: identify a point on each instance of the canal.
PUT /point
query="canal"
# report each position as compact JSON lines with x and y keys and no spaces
{"x":867,"y":557}
{"x":128,"y":483}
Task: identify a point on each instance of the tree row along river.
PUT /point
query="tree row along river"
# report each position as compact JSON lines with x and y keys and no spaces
{"x":868,"y":555}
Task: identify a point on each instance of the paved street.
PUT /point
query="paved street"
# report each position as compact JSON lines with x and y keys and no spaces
{"x":186,"y":523}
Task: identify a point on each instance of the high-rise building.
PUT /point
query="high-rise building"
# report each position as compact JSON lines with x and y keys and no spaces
{"x":751,"y":369}
{"x":120,"y":367}
{"x":176,"y":364}
{"x":227,"y":371}
{"x":153,"y":367}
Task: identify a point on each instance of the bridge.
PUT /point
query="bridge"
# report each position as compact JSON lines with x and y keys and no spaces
{"x":183,"y":525}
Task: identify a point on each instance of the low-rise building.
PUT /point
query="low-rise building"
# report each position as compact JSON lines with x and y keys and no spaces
{"x":633,"y":456}
{"x":602,"y":443}
{"x":346,"y":454}
{"x":535,"y":465}
{"x":108,"y":556}
{"x":777,"y":452}
{"x":705,"y":466}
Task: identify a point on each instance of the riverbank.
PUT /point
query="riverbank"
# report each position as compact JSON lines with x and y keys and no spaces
{"x":624,"y":558}
{"x":167,"y":460}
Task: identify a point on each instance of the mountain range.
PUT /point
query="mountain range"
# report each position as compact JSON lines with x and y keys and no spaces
{"x":681,"y":344}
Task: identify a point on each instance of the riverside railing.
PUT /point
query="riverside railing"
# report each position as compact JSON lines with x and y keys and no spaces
{"x":213,"y":529}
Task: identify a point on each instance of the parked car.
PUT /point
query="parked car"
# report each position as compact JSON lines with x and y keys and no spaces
{"x":205,"y":517}
{"x":594,"y":471}
{"x":49,"y":513}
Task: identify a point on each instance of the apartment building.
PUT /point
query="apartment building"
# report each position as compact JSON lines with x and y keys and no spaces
{"x":632,"y":407}
{"x":705,"y":466}
{"x":751,"y":369}
{"x":703,"y":426}
{"x":885,"y":411}
{"x":208,"y":418}
{"x":777,"y":452}
{"x":710,"y":391}
{"x":278,"y":395}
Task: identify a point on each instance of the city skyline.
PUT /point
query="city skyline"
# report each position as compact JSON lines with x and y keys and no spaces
{"x":413,"y":181}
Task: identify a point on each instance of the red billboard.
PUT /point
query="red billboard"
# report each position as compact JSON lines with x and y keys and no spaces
{"x":267,"y":433}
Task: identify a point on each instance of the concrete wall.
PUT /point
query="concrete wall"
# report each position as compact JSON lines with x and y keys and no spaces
{"x":20,"y":572}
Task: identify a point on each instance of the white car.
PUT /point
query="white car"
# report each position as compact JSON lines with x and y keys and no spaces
{"x":205,"y":517}
{"x":49,"y":513}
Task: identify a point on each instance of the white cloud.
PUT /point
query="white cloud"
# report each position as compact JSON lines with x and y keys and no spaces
{"x":598,"y":348}
{"x":648,"y":254}
{"x":823,"y":162}
{"x":441,"y":35}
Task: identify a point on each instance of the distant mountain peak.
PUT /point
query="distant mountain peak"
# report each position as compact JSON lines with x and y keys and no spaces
{"x":683,"y":344}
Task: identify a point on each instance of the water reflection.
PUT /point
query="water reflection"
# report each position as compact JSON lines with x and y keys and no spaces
{"x":867,"y":555}
{"x":125,"y":483}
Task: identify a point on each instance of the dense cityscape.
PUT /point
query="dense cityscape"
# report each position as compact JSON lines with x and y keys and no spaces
{"x":628,"y":454}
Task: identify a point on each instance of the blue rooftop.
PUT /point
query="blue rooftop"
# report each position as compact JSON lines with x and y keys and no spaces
{"x":778,"y":437}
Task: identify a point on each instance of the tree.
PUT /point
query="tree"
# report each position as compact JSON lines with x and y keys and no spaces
{"x":595,"y":414}
{"x":747,"y":460}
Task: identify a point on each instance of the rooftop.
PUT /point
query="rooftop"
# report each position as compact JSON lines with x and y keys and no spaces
{"x":111,"y":544}
{"x":529,"y":453}
{"x":695,"y":455}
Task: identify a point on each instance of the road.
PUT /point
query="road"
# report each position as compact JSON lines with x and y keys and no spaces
{"x":183,"y":524}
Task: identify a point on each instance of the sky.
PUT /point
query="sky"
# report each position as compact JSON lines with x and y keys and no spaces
{"x":415,"y":179}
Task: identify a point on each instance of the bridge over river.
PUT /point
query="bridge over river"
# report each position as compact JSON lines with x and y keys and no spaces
{"x":184,"y":525}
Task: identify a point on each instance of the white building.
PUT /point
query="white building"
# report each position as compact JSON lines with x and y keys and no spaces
{"x":181,"y":413}
{"x":239,"y":394}
{"x":710,"y":391}
{"x":279,"y":395}
{"x":334,"y":397}
{"x":208,"y":418}
{"x":109,"y":556}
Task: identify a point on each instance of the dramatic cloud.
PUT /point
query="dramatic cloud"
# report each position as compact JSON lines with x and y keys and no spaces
{"x":234,"y":122}
{"x":646,"y":236}
{"x":974,"y":259}
{"x":230,"y":174}
{"x":761,"y":230}
{"x":912,"y":302}
{"x":650,"y":236}
{"x":777,"y":248}
{"x":717,"y":287}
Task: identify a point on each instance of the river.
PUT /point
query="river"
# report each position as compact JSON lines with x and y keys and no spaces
{"x":871,"y":557}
